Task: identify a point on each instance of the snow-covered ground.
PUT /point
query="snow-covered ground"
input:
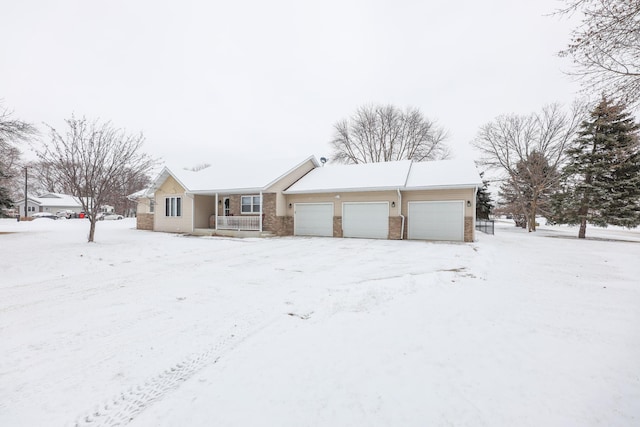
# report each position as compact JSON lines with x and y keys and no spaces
{"x":154,"y":329}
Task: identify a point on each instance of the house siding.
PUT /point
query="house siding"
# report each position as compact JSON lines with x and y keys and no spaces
{"x":181,"y":224}
{"x":204,"y":208}
{"x":281,"y":204}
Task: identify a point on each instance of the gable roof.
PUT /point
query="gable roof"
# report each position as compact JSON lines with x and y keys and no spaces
{"x":229,"y":177}
{"x":403,"y":175}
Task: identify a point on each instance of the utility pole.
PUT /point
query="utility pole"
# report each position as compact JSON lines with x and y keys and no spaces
{"x":26,"y":200}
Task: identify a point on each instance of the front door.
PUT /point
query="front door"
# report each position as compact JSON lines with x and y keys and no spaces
{"x":226,"y":206}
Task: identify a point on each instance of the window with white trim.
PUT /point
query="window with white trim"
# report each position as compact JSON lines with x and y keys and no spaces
{"x":173,"y":206}
{"x":152,"y":206}
{"x":250,"y":204}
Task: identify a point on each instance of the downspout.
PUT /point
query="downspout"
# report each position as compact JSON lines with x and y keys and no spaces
{"x":400,"y":213}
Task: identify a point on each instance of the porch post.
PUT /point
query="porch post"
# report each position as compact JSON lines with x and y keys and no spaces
{"x":261,"y":210}
{"x":216,"y":214}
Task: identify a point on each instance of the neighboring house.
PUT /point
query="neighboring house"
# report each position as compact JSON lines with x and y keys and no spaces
{"x":50,"y":202}
{"x":392,"y":200}
{"x":144,"y":209}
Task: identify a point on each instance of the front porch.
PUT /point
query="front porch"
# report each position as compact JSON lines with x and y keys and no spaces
{"x":227,"y":214}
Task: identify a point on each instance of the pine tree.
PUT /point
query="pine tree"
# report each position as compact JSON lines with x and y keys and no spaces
{"x":602,"y":176}
{"x":484,"y":203}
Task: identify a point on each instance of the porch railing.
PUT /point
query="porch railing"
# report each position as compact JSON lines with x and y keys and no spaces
{"x":238,"y":223}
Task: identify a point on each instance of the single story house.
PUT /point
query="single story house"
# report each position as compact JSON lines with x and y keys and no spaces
{"x":392,"y":200}
{"x":50,"y":202}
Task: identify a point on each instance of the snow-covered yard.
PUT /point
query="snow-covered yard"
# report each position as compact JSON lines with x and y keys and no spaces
{"x":153,"y":329}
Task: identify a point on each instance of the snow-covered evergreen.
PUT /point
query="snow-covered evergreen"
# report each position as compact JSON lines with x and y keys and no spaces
{"x":602,"y":175}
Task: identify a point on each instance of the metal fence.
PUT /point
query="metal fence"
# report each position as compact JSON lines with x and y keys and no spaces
{"x":487,"y":226}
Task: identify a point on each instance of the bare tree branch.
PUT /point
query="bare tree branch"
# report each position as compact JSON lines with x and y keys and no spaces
{"x":605,"y":47}
{"x":386,"y":133}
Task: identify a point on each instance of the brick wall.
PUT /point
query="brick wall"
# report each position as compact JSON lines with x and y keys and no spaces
{"x":278,"y":225}
{"x":144,"y":221}
{"x":395,"y":227}
{"x":234,"y":204}
{"x":337,"y":226}
{"x":469,"y":228}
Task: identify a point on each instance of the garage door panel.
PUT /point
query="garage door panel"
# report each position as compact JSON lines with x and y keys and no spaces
{"x":366,"y":220}
{"x":443,"y":220}
{"x":313,"y":219}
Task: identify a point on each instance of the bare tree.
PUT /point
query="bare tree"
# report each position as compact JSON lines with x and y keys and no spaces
{"x":383,"y":133}
{"x":528,"y":150}
{"x":11,"y":132}
{"x":605,"y":47}
{"x":91,"y":158}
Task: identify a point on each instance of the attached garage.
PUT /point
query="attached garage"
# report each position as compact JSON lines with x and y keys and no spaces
{"x":313,"y":219}
{"x":367,"y":220}
{"x":437,"y":220}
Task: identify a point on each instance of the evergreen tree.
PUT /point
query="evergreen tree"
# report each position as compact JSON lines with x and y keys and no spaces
{"x":602,"y":176}
{"x":484,"y":204}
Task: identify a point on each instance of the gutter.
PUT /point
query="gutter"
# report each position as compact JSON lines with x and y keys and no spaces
{"x":400,"y":214}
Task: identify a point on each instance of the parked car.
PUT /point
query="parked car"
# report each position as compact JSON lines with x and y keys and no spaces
{"x":44,"y":215}
{"x":108,"y":216}
{"x":65,"y":214}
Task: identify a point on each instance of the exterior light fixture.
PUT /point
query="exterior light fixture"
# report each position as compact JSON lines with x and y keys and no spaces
{"x":468,"y":203}
{"x":290,"y":205}
{"x":393,"y":204}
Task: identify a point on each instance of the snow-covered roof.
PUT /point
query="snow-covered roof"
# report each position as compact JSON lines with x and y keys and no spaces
{"x":54,"y":199}
{"x":443,"y":174}
{"x":230,"y":176}
{"x":360,"y":177}
{"x":145,"y":192}
{"x":404,"y":175}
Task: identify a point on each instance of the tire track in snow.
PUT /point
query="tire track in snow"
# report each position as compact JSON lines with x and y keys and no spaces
{"x":123,"y":408}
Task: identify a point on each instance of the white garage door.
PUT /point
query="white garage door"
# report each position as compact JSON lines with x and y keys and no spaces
{"x":369,"y":220}
{"x":436,"y":220}
{"x":313,"y":219}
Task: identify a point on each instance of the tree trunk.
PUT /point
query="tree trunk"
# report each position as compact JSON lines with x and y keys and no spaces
{"x":583,"y":228}
{"x":92,"y":229}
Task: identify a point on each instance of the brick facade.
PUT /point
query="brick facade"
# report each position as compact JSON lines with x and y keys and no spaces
{"x":278,"y":225}
{"x":469,"y":228}
{"x":144,"y":221}
{"x":337,"y":226}
{"x":395,"y":227}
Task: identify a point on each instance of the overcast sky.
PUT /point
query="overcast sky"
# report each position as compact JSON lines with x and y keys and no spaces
{"x":209,"y":80}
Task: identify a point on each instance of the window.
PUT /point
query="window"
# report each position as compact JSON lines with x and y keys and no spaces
{"x":152,"y":206}
{"x":31,"y":208}
{"x":173,"y":206}
{"x":250,"y":204}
